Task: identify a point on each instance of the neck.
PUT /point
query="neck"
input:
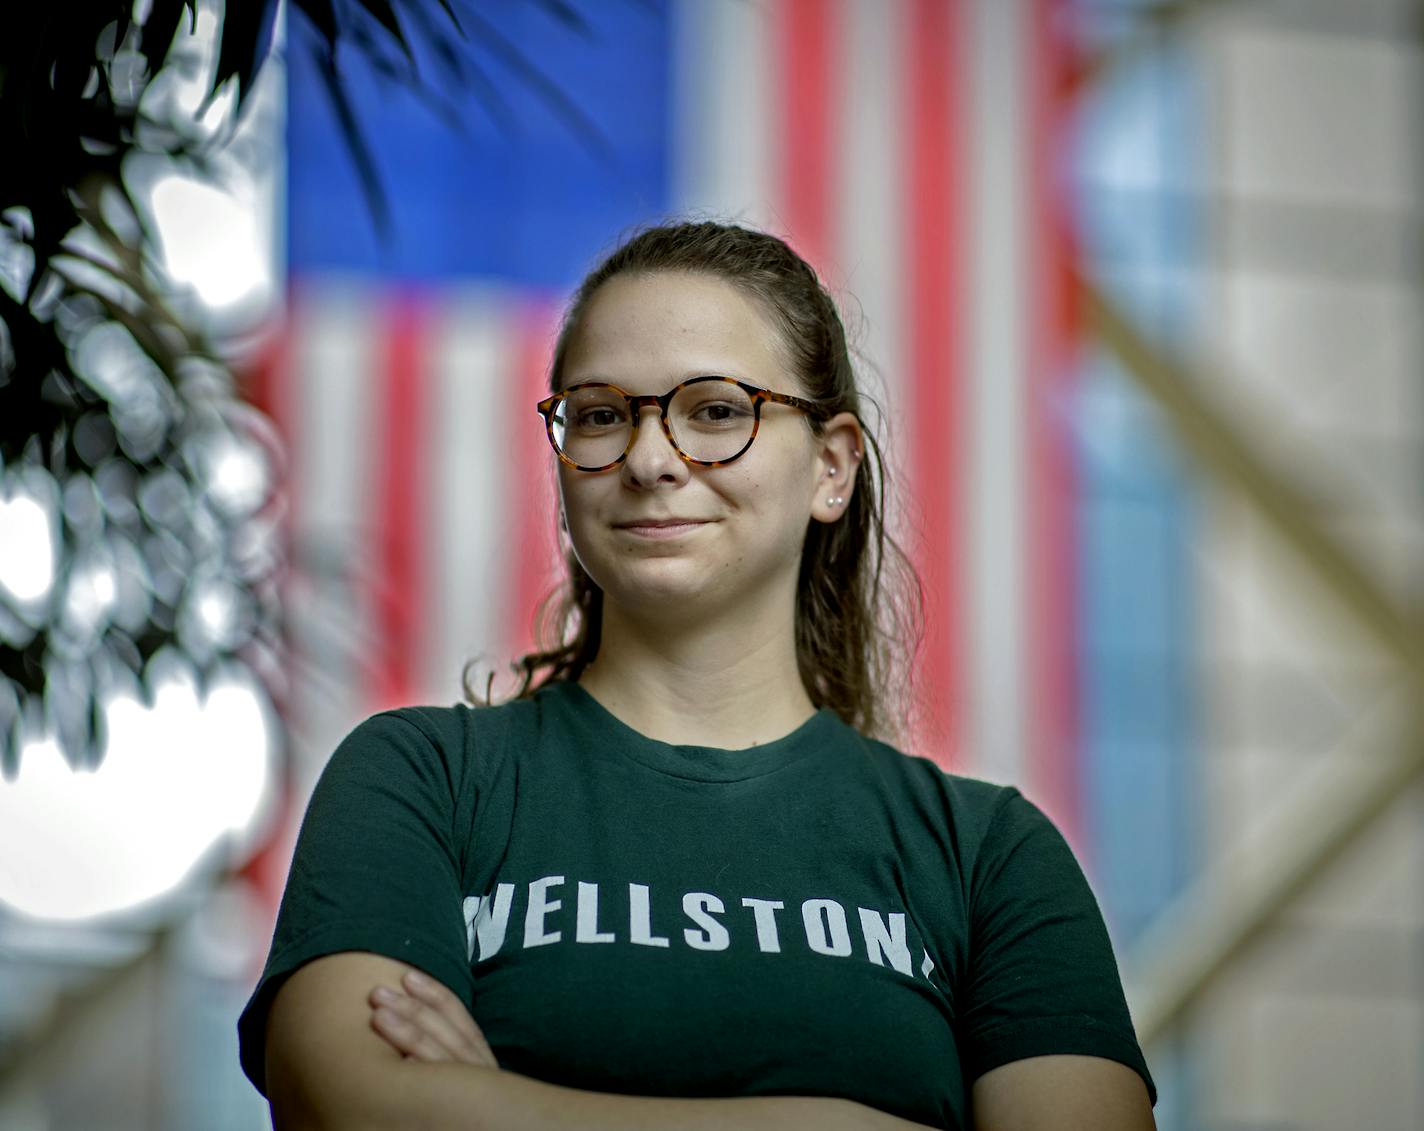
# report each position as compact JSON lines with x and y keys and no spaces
{"x":724,"y":685}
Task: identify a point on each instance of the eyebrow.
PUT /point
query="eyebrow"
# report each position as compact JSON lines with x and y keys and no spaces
{"x":691,"y":374}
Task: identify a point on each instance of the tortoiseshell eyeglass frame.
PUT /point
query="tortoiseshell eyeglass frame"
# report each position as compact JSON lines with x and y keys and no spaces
{"x":759,"y":396}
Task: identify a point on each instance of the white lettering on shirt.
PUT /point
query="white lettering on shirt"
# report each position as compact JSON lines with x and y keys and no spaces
{"x":472,"y":908}
{"x":882,"y":942}
{"x":765,"y":912}
{"x":540,"y":907}
{"x":886,"y":934}
{"x":696,"y":905}
{"x":826,"y":931}
{"x":640,"y":925}
{"x":588,"y":916}
{"x":488,"y":920}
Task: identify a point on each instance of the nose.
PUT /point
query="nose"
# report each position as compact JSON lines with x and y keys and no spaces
{"x":652,"y":458}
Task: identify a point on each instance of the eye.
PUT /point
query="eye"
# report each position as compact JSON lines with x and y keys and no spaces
{"x":720,"y":412}
{"x":600,"y":416}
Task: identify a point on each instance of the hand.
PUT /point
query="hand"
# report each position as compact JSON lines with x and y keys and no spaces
{"x":427,"y":1022}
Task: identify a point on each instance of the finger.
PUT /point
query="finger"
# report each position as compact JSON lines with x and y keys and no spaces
{"x":425,"y":1021}
{"x":404,"y":1033}
{"x":408,"y":1038}
{"x":439,"y":997}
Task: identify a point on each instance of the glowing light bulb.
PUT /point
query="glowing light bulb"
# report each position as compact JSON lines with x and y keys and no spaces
{"x":211,"y":240}
{"x":26,"y":548}
{"x":174,"y":780}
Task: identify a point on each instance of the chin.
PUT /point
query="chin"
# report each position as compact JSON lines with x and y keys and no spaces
{"x":643,"y":585}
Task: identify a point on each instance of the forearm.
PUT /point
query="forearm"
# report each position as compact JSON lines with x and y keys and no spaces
{"x":454,"y":1097}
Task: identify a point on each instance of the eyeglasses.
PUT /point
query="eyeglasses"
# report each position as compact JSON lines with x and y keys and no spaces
{"x":710,"y":420}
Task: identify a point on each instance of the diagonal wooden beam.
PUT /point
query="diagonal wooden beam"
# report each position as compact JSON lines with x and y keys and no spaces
{"x":1223,"y":453}
{"x":1228,"y":910}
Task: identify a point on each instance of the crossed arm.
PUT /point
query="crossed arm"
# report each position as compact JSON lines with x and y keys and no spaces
{"x":340,"y":1054}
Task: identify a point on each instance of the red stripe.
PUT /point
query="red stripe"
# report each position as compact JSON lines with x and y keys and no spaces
{"x":1054,"y":754}
{"x":933,"y":212}
{"x":536,"y":564}
{"x":400,"y":489}
{"x":265,"y":382}
{"x":807,"y":38}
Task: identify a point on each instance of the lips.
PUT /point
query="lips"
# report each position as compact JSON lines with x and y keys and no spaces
{"x":657,"y":529}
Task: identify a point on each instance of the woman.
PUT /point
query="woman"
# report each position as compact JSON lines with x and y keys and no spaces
{"x":675,"y":882}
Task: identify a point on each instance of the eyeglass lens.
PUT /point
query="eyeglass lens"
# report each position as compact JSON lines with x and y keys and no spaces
{"x":709,"y":420}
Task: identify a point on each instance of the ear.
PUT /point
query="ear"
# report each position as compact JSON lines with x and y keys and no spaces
{"x":839,"y":450}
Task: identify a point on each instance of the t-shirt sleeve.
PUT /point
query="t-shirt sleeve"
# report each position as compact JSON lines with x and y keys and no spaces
{"x":1042,"y":978}
{"x":374,"y":868}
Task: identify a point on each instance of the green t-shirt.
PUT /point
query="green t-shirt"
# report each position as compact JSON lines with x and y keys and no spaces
{"x":818,"y":915}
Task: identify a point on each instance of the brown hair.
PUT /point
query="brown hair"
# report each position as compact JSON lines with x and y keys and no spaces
{"x":858,"y":598}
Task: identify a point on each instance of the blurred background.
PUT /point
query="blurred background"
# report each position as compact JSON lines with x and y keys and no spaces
{"x":1136,"y":287}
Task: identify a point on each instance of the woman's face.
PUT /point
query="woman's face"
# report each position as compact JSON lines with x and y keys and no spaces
{"x":746,"y":521}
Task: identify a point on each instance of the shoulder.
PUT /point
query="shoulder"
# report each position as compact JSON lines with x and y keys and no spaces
{"x":437,"y":727}
{"x":456,"y":737}
{"x":416,"y":752}
{"x":973,"y":805}
{"x":415,"y":735}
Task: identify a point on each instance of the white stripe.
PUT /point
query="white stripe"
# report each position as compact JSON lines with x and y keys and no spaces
{"x":336,"y":349}
{"x":473,"y":377}
{"x":723,"y":108}
{"x":997,"y":362}
{"x":872,"y":165}
{"x":869,"y":162}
